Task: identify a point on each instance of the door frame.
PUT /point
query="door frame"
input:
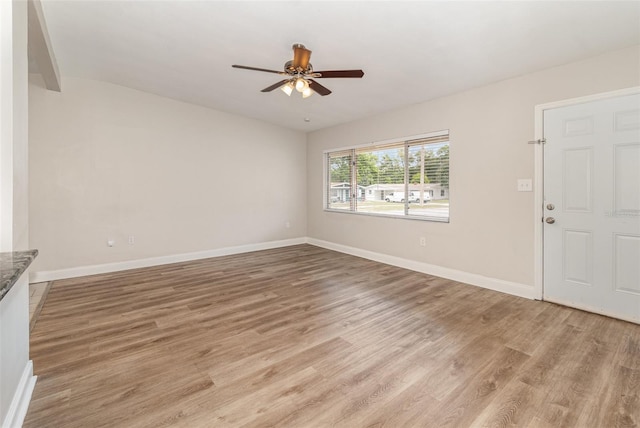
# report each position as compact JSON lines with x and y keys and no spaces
{"x":538,"y":176}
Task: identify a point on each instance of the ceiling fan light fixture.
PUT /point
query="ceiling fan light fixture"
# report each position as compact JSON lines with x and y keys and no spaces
{"x":307,"y":92}
{"x":301,"y":84}
{"x":287,"y":88}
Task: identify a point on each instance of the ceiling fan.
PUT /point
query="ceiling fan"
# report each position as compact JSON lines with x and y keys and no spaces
{"x":299,"y":74}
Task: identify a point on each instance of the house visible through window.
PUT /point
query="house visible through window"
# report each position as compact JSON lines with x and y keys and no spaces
{"x":393,"y":179}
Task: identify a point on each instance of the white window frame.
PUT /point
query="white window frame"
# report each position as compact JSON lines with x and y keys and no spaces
{"x":404,"y":140}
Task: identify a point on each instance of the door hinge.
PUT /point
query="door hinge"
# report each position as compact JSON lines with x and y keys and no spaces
{"x":540,"y":141}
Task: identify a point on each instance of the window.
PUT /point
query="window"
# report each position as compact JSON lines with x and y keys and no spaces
{"x":339,"y":191}
{"x":392,"y":179}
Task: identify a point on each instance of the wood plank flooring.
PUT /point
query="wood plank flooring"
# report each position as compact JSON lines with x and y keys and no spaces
{"x":306,"y":337}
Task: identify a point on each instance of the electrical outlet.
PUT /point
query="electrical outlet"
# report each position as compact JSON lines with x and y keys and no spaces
{"x":423,"y":241}
{"x":111,"y":242}
{"x":525,"y":185}
{"x":132,"y":239}
{"x":287,"y":225}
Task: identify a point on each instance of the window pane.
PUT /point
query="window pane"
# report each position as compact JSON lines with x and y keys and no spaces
{"x":400,"y":179}
{"x":380,"y":178}
{"x":339,"y":186}
{"x":429,"y":180}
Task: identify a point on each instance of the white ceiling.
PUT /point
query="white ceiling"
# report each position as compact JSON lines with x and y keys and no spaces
{"x":410,"y":51}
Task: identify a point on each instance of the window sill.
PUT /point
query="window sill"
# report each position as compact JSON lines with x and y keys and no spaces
{"x":404,"y":217}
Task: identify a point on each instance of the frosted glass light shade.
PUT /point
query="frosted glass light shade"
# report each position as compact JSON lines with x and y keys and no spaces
{"x":301,"y":85}
{"x":287,"y":88}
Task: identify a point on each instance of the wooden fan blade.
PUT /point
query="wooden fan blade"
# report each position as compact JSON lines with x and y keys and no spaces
{"x":339,"y":73}
{"x":318,"y":87}
{"x":257,"y":69}
{"x":301,"y":56}
{"x":275,"y":86}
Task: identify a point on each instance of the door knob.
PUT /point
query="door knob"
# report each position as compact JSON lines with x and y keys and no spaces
{"x":550,"y":220}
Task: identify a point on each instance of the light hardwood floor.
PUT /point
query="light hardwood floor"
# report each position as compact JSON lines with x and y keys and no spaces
{"x":306,"y":337}
{"x":37,"y":296}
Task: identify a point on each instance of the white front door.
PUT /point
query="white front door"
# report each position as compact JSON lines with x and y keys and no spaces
{"x":592,"y":206}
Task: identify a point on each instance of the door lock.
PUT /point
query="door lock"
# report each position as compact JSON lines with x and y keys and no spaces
{"x":550,"y":220}
{"x":551,"y":207}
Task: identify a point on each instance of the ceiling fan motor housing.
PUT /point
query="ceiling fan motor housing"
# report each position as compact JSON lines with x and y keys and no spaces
{"x":290,"y":69}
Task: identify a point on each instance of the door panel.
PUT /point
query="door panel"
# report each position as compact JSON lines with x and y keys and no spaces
{"x":577,"y":191}
{"x":626,"y":169}
{"x":625,"y":263}
{"x":577,"y":251}
{"x":592,"y":184}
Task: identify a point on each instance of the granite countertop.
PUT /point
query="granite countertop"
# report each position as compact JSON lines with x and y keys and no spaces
{"x":12,"y":266}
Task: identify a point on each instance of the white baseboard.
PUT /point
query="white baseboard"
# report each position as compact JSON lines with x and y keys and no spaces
{"x":508,"y":287}
{"x":53,"y":275}
{"x":21,"y":398}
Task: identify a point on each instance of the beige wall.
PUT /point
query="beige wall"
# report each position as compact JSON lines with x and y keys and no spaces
{"x":107,"y":162}
{"x":21,"y":141}
{"x":491,"y":232}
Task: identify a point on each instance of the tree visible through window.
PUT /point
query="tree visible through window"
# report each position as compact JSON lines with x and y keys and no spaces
{"x":408,"y":178}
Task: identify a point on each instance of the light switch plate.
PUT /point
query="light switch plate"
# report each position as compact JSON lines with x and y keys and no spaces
{"x":525,"y":185}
